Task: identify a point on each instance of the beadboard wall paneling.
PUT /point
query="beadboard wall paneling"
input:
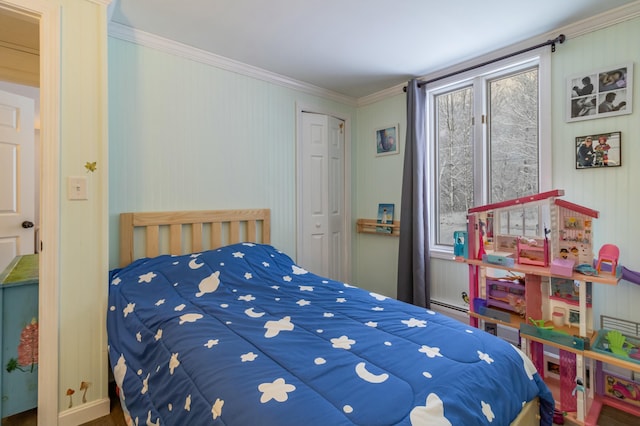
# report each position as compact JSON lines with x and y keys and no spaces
{"x":611,"y":191}
{"x":187,"y":135}
{"x":448,"y":280}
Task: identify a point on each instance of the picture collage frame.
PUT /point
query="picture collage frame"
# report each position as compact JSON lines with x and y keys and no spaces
{"x":600,"y":93}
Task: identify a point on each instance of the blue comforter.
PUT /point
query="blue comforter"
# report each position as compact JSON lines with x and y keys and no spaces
{"x":243,"y":336}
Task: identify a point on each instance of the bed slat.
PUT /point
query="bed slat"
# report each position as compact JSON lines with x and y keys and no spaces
{"x":234,"y":232}
{"x":175,"y":239}
{"x":216,"y":234}
{"x":153,"y":241}
{"x":251,"y":228}
{"x":196,"y":237}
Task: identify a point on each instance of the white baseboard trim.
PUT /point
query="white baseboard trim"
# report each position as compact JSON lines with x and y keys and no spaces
{"x":84,"y":413}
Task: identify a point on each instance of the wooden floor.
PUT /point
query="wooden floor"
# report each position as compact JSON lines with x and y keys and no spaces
{"x":611,"y":417}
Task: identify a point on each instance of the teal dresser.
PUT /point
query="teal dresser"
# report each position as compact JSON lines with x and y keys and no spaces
{"x":19,"y":335}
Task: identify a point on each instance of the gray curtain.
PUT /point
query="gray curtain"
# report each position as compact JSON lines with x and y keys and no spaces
{"x":413,"y":256}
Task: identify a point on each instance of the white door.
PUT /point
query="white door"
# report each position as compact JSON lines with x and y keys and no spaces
{"x":16,"y":177}
{"x":322,"y":243}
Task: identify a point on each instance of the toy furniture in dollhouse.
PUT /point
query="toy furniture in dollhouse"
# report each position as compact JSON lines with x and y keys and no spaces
{"x":507,"y":294}
{"x":533,"y":252}
{"x":460,"y":244}
{"x":563,"y":267}
{"x":608,"y":253}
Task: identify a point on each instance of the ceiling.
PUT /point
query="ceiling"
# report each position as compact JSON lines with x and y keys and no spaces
{"x":353,"y":47}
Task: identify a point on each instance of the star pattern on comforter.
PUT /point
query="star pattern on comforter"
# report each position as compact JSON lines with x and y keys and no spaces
{"x":242,"y":335}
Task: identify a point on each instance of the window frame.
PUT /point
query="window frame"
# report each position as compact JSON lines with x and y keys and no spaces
{"x":478,"y":78}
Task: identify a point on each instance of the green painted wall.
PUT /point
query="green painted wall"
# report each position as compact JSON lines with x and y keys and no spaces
{"x":378,"y":180}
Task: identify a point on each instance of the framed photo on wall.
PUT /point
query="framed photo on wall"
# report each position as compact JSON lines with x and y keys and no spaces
{"x":387,"y":140}
{"x":599,"y":150}
{"x":602,"y":93}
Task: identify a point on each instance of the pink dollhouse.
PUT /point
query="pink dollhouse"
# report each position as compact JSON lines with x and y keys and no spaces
{"x":521,"y":256}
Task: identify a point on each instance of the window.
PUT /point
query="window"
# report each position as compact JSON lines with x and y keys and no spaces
{"x":488,"y":138}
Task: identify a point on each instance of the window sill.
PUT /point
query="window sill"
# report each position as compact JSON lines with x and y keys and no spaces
{"x":442,"y":254}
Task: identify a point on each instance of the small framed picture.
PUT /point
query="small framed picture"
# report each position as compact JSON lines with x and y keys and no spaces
{"x":574,"y":317}
{"x":385,"y":217}
{"x":387,"y":140}
{"x":599,"y":150}
{"x":552,"y":367}
{"x":602,"y":93}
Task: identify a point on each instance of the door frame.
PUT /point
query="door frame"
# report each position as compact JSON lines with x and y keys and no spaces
{"x":348,"y":229}
{"x":48,"y":289}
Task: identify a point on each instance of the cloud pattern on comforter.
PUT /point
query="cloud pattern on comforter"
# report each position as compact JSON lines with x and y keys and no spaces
{"x":242,"y":335}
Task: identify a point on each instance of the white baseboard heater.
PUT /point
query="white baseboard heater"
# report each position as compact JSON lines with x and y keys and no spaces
{"x":461,"y":314}
{"x":456,"y":312}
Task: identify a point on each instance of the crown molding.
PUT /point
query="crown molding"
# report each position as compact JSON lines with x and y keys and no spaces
{"x":604,"y":20}
{"x":383,"y":94}
{"x":124,"y":32}
{"x":576,"y":29}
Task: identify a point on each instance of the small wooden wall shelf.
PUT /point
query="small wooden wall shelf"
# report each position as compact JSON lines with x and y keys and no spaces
{"x":370,"y":226}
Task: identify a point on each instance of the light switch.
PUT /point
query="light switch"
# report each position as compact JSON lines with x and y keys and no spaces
{"x":77,"y":188}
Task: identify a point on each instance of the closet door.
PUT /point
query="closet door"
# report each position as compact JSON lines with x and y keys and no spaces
{"x":321,"y":189}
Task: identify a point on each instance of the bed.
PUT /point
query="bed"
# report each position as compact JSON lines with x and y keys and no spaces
{"x":216,"y":326}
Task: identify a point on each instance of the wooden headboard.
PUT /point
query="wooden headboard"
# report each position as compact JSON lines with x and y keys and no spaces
{"x":182,"y":232}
